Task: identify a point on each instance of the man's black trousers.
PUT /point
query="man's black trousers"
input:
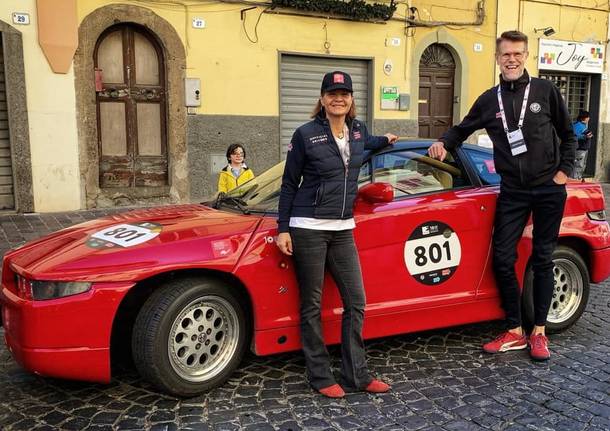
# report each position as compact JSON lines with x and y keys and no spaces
{"x":545,"y":203}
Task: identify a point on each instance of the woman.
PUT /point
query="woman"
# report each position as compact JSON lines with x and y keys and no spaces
{"x":236,"y":172}
{"x":319,"y":186}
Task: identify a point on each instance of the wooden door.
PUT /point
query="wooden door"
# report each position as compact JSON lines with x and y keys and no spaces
{"x":436,"y":76}
{"x":131,"y":108}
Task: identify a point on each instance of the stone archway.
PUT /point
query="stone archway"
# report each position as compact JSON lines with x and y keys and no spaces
{"x":461,"y":83}
{"x":436,"y":97}
{"x":19,"y":136}
{"x":90,"y":30}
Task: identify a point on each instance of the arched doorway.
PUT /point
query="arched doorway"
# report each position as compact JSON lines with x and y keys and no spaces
{"x":131,"y":108}
{"x":170,"y":51}
{"x":436,"y":92}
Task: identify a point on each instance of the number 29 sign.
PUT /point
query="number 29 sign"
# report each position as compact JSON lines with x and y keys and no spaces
{"x":432,"y":253}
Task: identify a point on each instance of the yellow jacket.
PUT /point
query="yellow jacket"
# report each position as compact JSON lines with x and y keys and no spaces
{"x":227,"y":182}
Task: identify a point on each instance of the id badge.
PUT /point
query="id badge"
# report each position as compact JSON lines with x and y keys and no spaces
{"x":516,"y":142}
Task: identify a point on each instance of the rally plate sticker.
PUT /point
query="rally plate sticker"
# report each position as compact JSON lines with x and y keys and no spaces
{"x":432,"y":253}
{"x":124,"y":235}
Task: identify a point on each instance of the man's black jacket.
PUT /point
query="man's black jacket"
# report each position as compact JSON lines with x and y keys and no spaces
{"x":328,"y":187}
{"x":547,"y":129}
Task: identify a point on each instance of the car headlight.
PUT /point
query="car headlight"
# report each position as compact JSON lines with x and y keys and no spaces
{"x":597,"y":215}
{"x":42,"y":290}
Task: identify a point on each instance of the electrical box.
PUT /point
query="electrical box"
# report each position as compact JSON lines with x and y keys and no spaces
{"x":192,"y":91}
{"x":404,"y":101}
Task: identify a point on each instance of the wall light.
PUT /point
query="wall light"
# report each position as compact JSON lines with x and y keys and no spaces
{"x":547,"y":31}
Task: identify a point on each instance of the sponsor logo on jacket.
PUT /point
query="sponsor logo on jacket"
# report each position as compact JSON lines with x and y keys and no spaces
{"x":535,"y":107}
{"x":318,"y":139}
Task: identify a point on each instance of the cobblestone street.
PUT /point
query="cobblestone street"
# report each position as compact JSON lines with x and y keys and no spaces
{"x":440,"y":380}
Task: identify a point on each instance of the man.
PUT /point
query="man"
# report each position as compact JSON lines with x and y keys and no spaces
{"x":583,"y":137}
{"x":524,"y":117}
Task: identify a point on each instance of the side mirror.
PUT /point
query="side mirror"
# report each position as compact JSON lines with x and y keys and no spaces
{"x":376,"y":193}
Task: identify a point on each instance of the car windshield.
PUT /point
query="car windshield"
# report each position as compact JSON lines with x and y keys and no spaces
{"x":262,"y":193}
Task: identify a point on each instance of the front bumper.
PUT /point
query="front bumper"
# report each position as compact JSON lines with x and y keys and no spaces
{"x":67,"y":337}
{"x":600,"y":264}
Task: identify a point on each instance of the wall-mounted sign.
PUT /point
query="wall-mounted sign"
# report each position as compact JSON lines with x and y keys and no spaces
{"x":570,"y":56}
{"x":21,"y":18}
{"x":389,"y":98}
{"x":198,"y":23}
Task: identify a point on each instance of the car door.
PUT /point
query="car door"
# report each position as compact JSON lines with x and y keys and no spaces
{"x":482,"y":163}
{"x":430,"y":245}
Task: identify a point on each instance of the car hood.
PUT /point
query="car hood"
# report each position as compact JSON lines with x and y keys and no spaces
{"x":137,"y":244}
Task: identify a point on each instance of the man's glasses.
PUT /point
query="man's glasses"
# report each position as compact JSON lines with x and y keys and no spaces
{"x":516,"y":55}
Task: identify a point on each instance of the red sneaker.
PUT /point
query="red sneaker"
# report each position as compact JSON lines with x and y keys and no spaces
{"x":505,"y":342}
{"x":539,"y":347}
{"x":334,"y":391}
{"x":377,"y":387}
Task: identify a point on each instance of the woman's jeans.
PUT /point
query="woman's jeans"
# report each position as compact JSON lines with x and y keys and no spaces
{"x":312,"y":251}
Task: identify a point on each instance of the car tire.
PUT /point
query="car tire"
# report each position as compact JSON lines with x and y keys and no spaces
{"x":189,"y":336}
{"x":570,"y":294}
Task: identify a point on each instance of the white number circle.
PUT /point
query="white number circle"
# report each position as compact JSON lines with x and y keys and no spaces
{"x":432,"y":253}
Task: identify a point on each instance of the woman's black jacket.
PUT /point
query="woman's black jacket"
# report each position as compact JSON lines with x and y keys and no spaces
{"x":328,"y":188}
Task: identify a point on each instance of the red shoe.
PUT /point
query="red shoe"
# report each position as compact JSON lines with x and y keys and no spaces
{"x":334,"y":391}
{"x":539,"y":347}
{"x":377,"y":387}
{"x":505,"y":342}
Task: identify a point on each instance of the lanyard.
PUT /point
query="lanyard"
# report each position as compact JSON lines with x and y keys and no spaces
{"x":523,"y":106}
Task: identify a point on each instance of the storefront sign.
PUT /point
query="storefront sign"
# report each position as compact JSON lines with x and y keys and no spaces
{"x":570,"y":56}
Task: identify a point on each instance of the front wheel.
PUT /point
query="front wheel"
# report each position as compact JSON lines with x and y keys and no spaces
{"x":189,"y":336}
{"x":570,"y":291}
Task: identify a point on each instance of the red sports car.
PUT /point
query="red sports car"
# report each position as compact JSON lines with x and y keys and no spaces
{"x":190,"y":287}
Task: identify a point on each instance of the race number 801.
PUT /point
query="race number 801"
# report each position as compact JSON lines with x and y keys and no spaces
{"x":128,"y":235}
{"x":432,"y":253}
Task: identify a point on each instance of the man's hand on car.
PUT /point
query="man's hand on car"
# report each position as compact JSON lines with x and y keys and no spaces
{"x":437,"y":151}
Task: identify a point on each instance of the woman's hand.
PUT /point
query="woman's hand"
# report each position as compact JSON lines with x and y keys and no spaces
{"x":284,"y":242}
{"x":391,"y":138}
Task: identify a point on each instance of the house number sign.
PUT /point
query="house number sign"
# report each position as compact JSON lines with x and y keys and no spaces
{"x":21,"y":18}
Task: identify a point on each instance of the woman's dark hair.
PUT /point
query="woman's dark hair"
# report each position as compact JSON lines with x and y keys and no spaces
{"x":319,"y":108}
{"x":582,"y":115}
{"x":232,"y":149}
